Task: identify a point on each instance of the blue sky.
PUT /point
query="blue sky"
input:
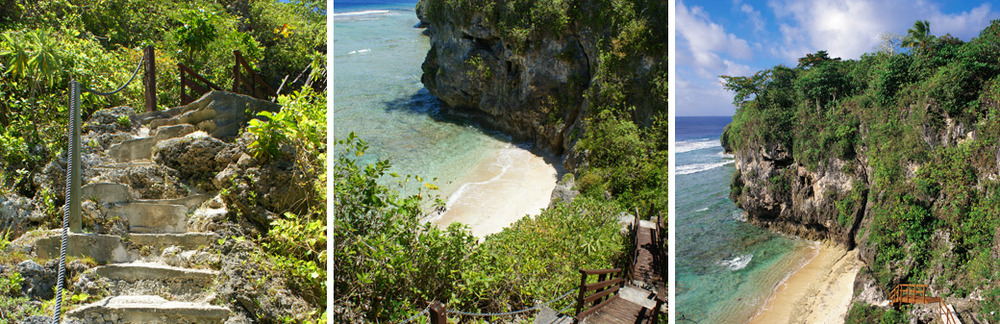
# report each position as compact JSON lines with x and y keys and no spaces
{"x":740,"y":37}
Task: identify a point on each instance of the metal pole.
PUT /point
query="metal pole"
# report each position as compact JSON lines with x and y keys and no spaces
{"x":75,"y":221}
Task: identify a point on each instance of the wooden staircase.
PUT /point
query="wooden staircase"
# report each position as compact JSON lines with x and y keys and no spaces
{"x":917,"y":294}
{"x":633,"y":295}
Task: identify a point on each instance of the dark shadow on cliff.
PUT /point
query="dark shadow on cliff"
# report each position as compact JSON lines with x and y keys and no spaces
{"x":422,"y":102}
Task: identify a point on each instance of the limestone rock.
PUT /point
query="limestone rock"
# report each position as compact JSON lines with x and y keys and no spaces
{"x":563,"y":191}
{"x":193,"y":156}
{"x":218,"y":113}
{"x":110,"y":120}
{"x":38,"y":280}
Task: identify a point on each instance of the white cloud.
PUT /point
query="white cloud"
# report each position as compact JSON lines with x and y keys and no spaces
{"x":963,"y":25}
{"x":849,"y":28}
{"x":706,"y":40}
{"x":754,"y":17}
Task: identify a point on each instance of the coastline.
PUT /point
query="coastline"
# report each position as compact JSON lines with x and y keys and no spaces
{"x":504,"y":187}
{"x":818,"y":292}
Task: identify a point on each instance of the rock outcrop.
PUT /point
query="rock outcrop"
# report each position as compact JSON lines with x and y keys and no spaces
{"x":531,"y":87}
{"x":778,"y":193}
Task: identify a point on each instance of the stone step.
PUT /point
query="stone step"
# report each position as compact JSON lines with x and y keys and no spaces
{"x":186,"y":241}
{"x":138,"y":270}
{"x":133,"y":149}
{"x":141,"y":148}
{"x":191,"y":201}
{"x":105,"y":249}
{"x":144,"y":217}
{"x":123,"y":165}
{"x":116,"y":193}
{"x":102,"y":248}
{"x":641,"y":297}
{"x":106,"y":192}
{"x":148,"y":309}
{"x":146,"y":278}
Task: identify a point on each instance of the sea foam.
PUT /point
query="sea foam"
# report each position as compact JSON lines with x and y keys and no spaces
{"x":688,"y":146}
{"x":700,"y":167}
{"x":737,"y":263}
{"x":360,"y":13}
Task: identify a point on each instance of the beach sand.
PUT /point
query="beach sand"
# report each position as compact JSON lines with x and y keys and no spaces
{"x":819,"y":292}
{"x":503,"y":188}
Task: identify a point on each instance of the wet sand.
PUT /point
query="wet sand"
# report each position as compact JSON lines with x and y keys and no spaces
{"x":819,"y":292}
{"x":506,"y":186}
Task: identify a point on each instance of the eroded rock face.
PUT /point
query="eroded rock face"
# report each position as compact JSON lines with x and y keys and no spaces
{"x":16,"y":212}
{"x":254,"y":287}
{"x":531,"y":92}
{"x":783,"y":195}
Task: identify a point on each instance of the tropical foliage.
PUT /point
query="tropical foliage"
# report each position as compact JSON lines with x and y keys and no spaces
{"x":389,"y":264}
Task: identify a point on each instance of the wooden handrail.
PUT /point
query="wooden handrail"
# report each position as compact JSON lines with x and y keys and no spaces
{"x":599,"y":271}
{"x":186,"y":71}
{"x":252,"y":81}
{"x":946,"y":315}
{"x":601,"y":294}
{"x":602,"y":289}
{"x":602,"y":284}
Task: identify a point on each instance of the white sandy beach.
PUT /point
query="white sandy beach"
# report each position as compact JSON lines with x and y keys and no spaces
{"x":504,"y":187}
{"x":819,"y":292}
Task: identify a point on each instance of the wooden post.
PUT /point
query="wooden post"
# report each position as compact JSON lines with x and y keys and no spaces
{"x":438,"y":313}
{"x":150,"y":78}
{"x":236,"y":71}
{"x":579,"y":298}
{"x":184,"y":95}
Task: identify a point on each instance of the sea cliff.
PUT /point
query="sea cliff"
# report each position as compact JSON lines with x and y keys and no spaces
{"x":893,"y":154}
{"x":529,"y":77}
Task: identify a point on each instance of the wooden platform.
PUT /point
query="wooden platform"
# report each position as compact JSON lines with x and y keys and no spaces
{"x":620,"y":311}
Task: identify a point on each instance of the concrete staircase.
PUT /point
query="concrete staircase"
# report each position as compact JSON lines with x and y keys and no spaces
{"x":160,"y":271}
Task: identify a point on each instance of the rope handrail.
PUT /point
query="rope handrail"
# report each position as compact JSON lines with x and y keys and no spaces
{"x":137,"y":67}
{"x":426,"y":309}
{"x":71,"y":152}
{"x":513,"y":312}
{"x":71,"y":206}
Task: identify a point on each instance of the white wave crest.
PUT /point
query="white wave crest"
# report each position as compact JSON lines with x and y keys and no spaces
{"x":737,"y":263}
{"x":360,"y":51}
{"x":360,"y":13}
{"x":688,"y":146}
{"x":700,"y":167}
{"x":701,"y":210}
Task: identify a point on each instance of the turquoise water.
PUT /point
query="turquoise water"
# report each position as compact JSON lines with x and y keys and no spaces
{"x":378,"y":95}
{"x":726,"y":268}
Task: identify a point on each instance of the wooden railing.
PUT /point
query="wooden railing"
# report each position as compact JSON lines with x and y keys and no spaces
{"x":633,"y":235}
{"x":602,"y":290}
{"x":246,"y":80}
{"x":947,"y":317}
{"x":188,"y":78}
{"x":908,"y":294}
